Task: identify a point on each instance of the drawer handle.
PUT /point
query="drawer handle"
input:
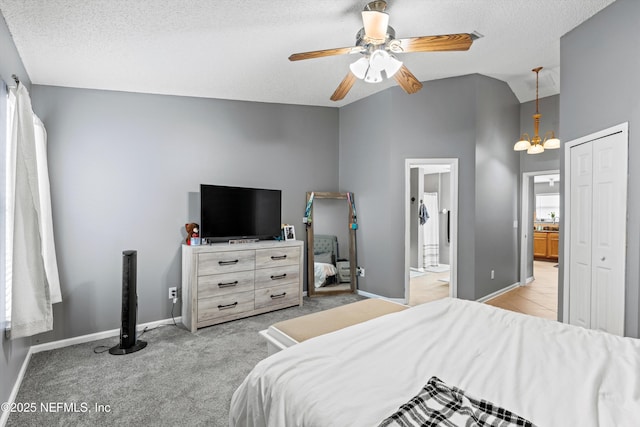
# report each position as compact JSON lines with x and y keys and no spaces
{"x":279,"y":257}
{"x":278,"y":277}
{"x":227,"y":306}
{"x":278,"y":295}
{"x":235,"y":261}
{"x":228,"y":284}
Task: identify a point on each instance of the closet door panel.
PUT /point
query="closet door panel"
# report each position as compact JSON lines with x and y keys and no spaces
{"x":580,"y":303}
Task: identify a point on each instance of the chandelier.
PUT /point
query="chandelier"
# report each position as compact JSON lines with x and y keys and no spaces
{"x":536,"y":145}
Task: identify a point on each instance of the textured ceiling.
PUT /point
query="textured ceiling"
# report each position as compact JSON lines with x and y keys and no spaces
{"x":238,"y":49}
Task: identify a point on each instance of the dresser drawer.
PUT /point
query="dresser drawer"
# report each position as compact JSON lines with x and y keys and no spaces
{"x":278,"y":295}
{"x":225,"y":262}
{"x":277,"y":276}
{"x":223,"y":284}
{"x":273,"y":257}
{"x":212,"y":308}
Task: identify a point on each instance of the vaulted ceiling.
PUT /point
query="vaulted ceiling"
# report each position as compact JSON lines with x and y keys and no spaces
{"x":238,"y":49}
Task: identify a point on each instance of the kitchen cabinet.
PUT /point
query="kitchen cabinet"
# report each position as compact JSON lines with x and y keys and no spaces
{"x":545,"y":245}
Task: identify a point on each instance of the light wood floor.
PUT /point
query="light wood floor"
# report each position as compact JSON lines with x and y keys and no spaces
{"x":538,"y":298}
{"x":428,"y":287}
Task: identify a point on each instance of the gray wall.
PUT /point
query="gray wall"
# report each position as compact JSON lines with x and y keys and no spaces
{"x":12,"y":352}
{"x":496,"y":183}
{"x":444,"y":120}
{"x":122,"y":166}
{"x":600,"y":85}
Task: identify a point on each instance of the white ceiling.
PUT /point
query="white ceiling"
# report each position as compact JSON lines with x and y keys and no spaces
{"x":238,"y":49}
{"x":546,"y":178}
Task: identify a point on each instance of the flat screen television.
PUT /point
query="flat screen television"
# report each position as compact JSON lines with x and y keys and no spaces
{"x":228,"y":213}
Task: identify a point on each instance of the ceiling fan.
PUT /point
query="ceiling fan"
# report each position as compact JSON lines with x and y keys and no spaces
{"x":377,"y":43}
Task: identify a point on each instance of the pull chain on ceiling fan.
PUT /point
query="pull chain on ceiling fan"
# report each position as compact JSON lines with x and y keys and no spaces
{"x":377,"y":43}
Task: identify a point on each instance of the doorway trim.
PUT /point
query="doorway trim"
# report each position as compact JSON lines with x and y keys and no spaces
{"x":453,"y":271}
{"x":525,"y":214}
{"x":566,"y":197}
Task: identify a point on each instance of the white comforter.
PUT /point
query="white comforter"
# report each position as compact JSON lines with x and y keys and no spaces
{"x":322,"y":270}
{"x":550,"y":373}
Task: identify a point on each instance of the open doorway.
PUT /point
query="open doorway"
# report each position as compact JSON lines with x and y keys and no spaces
{"x":431,"y":201}
{"x":539,"y":241}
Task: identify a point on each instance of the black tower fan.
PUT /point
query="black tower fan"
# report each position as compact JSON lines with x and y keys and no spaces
{"x":128,"y":343}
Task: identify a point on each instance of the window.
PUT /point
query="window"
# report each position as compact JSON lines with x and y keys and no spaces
{"x":548,"y":207}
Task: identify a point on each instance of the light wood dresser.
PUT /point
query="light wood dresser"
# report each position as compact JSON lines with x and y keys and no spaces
{"x":223,"y":282}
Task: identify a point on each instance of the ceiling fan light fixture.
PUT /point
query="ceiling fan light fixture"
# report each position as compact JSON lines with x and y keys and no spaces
{"x":375,"y":26}
{"x":381,"y":60}
{"x":373,"y":76}
{"x":392,"y":66}
{"x":378,"y":59}
{"x":376,"y":35}
{"x":360,"y":67}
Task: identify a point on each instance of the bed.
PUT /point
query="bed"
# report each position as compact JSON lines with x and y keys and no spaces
{"x":546,"y":372}
{"x":325,"y":255}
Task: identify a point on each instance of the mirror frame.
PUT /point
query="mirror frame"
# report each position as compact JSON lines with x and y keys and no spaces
{"x":311,"y":289}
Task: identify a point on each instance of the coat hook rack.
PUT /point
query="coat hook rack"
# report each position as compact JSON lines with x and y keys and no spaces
{"x":15,"y":78}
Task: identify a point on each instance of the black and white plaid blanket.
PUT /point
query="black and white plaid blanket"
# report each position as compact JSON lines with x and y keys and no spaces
{"x":438,"y":404}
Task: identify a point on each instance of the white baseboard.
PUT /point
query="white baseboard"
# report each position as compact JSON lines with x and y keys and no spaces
{"x":498,"y":293}
{"x":96,"y":336}
{"x":370,"y":295}
{"x":530,"y":279}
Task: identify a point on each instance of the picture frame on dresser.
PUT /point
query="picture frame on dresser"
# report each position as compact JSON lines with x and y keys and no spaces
{"x":289,"y":232}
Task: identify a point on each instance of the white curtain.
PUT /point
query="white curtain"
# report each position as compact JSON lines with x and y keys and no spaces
{"x":430,"y":230}
{"x":34,"y":280}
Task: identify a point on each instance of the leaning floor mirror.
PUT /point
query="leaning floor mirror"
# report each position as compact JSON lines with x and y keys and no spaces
{"x":331,"y":243}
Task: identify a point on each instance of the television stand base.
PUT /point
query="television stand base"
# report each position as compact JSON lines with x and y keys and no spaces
{"x":237,"y":241}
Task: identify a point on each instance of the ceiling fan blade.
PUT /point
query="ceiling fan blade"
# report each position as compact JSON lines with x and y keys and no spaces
{"x":407,"y":80}
{"x":443,"y":43}
{"x":326,"y":52}
{"x":344,"y":87}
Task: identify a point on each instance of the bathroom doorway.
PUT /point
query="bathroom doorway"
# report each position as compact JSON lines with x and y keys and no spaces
{"x":430,"y":229}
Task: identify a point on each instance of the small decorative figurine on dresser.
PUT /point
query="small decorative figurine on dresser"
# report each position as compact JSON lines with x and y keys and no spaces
{"x":193,"y":236}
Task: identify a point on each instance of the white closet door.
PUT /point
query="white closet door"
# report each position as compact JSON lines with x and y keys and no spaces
{"x":608,"y":238}
{"x":581,"y":207}
{"x":597,"y":233}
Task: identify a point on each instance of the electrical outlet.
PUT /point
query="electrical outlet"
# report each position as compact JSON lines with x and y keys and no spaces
{"x":493,"y":274}
{"x":361,"y":271}
{"x":173,"y":292}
